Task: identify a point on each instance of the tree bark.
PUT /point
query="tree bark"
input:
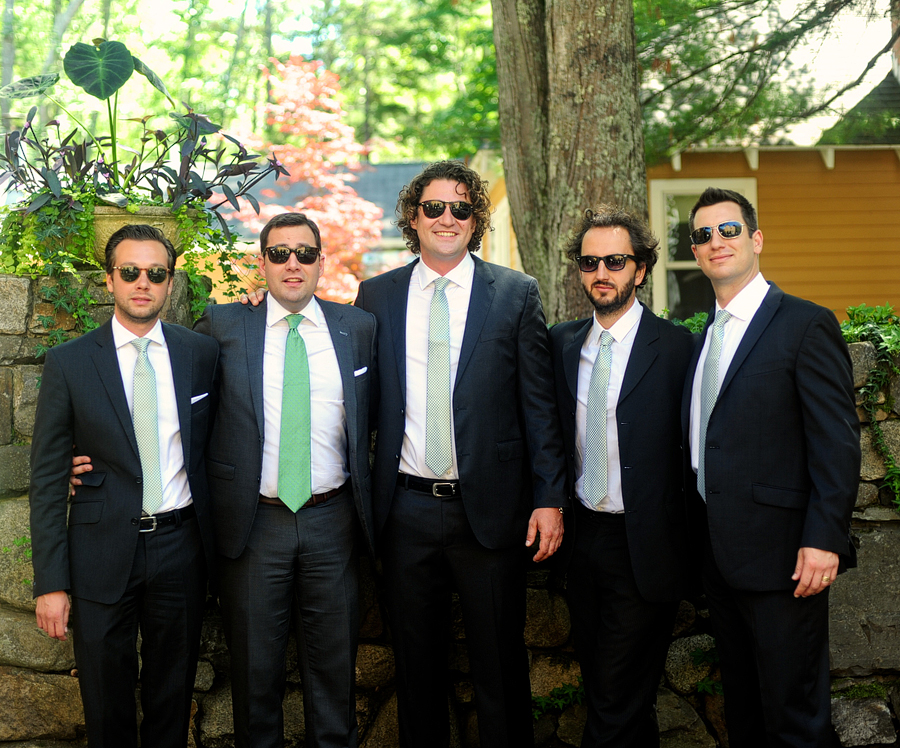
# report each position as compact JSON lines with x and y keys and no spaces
{"x":570,"y":124}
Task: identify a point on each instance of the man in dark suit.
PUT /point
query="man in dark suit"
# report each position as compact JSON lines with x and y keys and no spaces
{"x":619,"y":379}
{"x":468,"y":461}
{"x":135,"y":550}
{"x":774,"y":439}
{"x":263,"y":446}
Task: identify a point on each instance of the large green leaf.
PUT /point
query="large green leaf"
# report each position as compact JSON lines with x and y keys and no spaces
{"x":28,"y":87}
{"x":100,"y":70}
{"x":154,"y":79}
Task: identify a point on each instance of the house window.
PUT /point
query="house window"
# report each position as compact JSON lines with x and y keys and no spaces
{"x":678,"y":284}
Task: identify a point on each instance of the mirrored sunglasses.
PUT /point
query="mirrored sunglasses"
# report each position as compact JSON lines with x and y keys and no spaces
{"x":589,"y":263}
{"x":130,"y":273}
{"x":727,"y":230}
{"x":280,"y":254}
{"x":459,"y":209}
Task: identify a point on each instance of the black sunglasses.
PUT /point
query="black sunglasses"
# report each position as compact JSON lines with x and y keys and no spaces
{"x":589,"y":263}
{"x":727,"y":230}
{"x":280,"y":254}
{"x":130,"y":273}
{"x":459,"y":209}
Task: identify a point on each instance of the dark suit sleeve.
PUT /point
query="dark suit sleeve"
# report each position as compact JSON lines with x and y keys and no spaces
{"x":831,"y":430}
{"x":535,"y":374}
{"x":51,"y":461}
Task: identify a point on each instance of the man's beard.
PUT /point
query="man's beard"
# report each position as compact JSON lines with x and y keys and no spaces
{"x":608,"y":307}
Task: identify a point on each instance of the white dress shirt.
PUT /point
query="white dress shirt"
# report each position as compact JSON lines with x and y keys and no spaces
{"x":418,"y":309}
{"x":741,"y":308}
{"x":176,"y":491}
{"x":624,"y":332}
{"x":328,"y":420}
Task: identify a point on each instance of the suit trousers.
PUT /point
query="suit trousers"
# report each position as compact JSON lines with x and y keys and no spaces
{"x":621,"y":639}
{"x":428,"y":550}
{"x":310,"y":556}
{"x":773,"y":650}
{"x":164,"y":599}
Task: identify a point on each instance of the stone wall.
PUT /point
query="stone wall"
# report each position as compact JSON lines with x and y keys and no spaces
{"x":40,"y":704}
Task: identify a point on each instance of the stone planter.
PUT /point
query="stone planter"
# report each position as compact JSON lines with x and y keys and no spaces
{"x":109,"y":219}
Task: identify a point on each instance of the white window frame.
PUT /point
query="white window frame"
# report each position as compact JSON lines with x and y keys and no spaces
{"x":659,"y":189}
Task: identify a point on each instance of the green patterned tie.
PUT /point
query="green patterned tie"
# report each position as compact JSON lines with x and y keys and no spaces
{"x":294,"y":466}
{"x":709,"y":392}
{"x":596,"y":478}
{"x":438,"y":442}
{"x":145,"y":414}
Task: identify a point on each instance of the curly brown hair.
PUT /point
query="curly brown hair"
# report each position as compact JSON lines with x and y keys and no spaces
{"x":643,"y":243}
{"x":455,"y":171}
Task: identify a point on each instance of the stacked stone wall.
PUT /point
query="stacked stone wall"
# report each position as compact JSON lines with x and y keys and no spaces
{"x":39,"y":698}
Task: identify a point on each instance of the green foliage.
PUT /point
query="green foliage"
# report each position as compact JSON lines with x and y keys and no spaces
{"x":559,"y":699}
{"x":23,"y":544}
{"x":879,"y":326}
{"x":710,"y":686}
{"x":702,"y":656}
{"x":695,"y":323}
{"x":864,"y":691}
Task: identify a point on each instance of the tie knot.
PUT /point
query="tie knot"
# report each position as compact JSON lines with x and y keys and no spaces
{"x":294,"y":320}
{"x":141,"y":344}
{"x":721,"y":318}
{"x":440,"y":284}
{"x":606,"y":338}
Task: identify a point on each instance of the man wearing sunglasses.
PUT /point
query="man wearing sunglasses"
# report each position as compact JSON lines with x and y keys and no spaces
{"x":769,"y":417}
{"x":619,"y":379}
{"x":137,"y":396}
{"x":289,"y":477}
{"x":468,"y":460}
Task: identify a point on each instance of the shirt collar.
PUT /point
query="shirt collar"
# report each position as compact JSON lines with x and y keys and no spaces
{"x":622,"y":326}
{"x":461,"y":275}
{"x":122,"y":336}
{"x":744,"y":305}
{"x":312,"y":312}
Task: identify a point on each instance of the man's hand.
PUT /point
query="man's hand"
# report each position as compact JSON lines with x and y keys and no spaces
{"x":548,"y":522}
{"x":816,"y":569}
{"x":80,"y":464}
{"x":52,"y":614}
{"x":254,"y":297}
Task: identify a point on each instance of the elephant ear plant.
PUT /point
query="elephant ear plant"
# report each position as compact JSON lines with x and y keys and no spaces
{"x":58,"y":179}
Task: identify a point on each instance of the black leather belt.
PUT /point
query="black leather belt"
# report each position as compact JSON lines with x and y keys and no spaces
{"x":439,"y":488}
{"x":314,"y":500}
{"x":152,"y":522}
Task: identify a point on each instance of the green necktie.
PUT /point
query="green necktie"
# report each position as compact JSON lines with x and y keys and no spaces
{"x":595,"y":451}
{"x":709,"y":392}
{"x":438,"y":442}
{"x":145,"y":415}
{"x":294,"y":467}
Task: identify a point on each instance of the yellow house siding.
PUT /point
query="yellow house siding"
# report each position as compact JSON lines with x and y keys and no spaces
{"x":831,"y":235}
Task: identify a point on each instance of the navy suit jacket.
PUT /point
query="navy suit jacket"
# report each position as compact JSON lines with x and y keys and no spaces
{"x":508,"y":442}
{"x":82,"y":402}
{"x":782,"y":445}
{"x":235,"y":451}
{"x":648,"y":417}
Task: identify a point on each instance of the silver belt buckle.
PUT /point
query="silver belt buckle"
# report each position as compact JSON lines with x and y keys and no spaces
{"x":153,"y":527}
{"x":436,"y":493}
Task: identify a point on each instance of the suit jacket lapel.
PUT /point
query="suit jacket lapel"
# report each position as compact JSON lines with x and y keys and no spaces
{"x":571,"y":356}
{"x":397,"y":311}
{"x":181,"y":358}
{"x":343,"y":349}
{"x":255,"y":341}
{"x":643,"y":352}
{"x":106,"y":362}
{"x":479,"y":305}
{"x":758,"y":324}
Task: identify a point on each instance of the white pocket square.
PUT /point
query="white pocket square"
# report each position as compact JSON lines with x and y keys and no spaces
{"x":360,"y":372}
{"x":197,"y":398}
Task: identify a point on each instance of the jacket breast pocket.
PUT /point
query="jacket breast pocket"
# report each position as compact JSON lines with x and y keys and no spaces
{"x":765,"y":367}
{"x":219,"y":470}
{"x":85,"y":512}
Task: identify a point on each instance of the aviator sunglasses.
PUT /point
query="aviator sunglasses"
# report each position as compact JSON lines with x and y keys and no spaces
{"x":589,"y":263}
{"x":459,"y":209}
{"x":130,"y":273}
{"x":727,"y":230}
{"x":280,"y":254}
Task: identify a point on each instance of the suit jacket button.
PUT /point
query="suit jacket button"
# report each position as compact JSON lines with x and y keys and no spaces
{"x":134,"y":521}
{"x":138,"y":481}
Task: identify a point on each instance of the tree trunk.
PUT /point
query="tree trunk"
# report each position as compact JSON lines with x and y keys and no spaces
{"x":570,"y":123}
